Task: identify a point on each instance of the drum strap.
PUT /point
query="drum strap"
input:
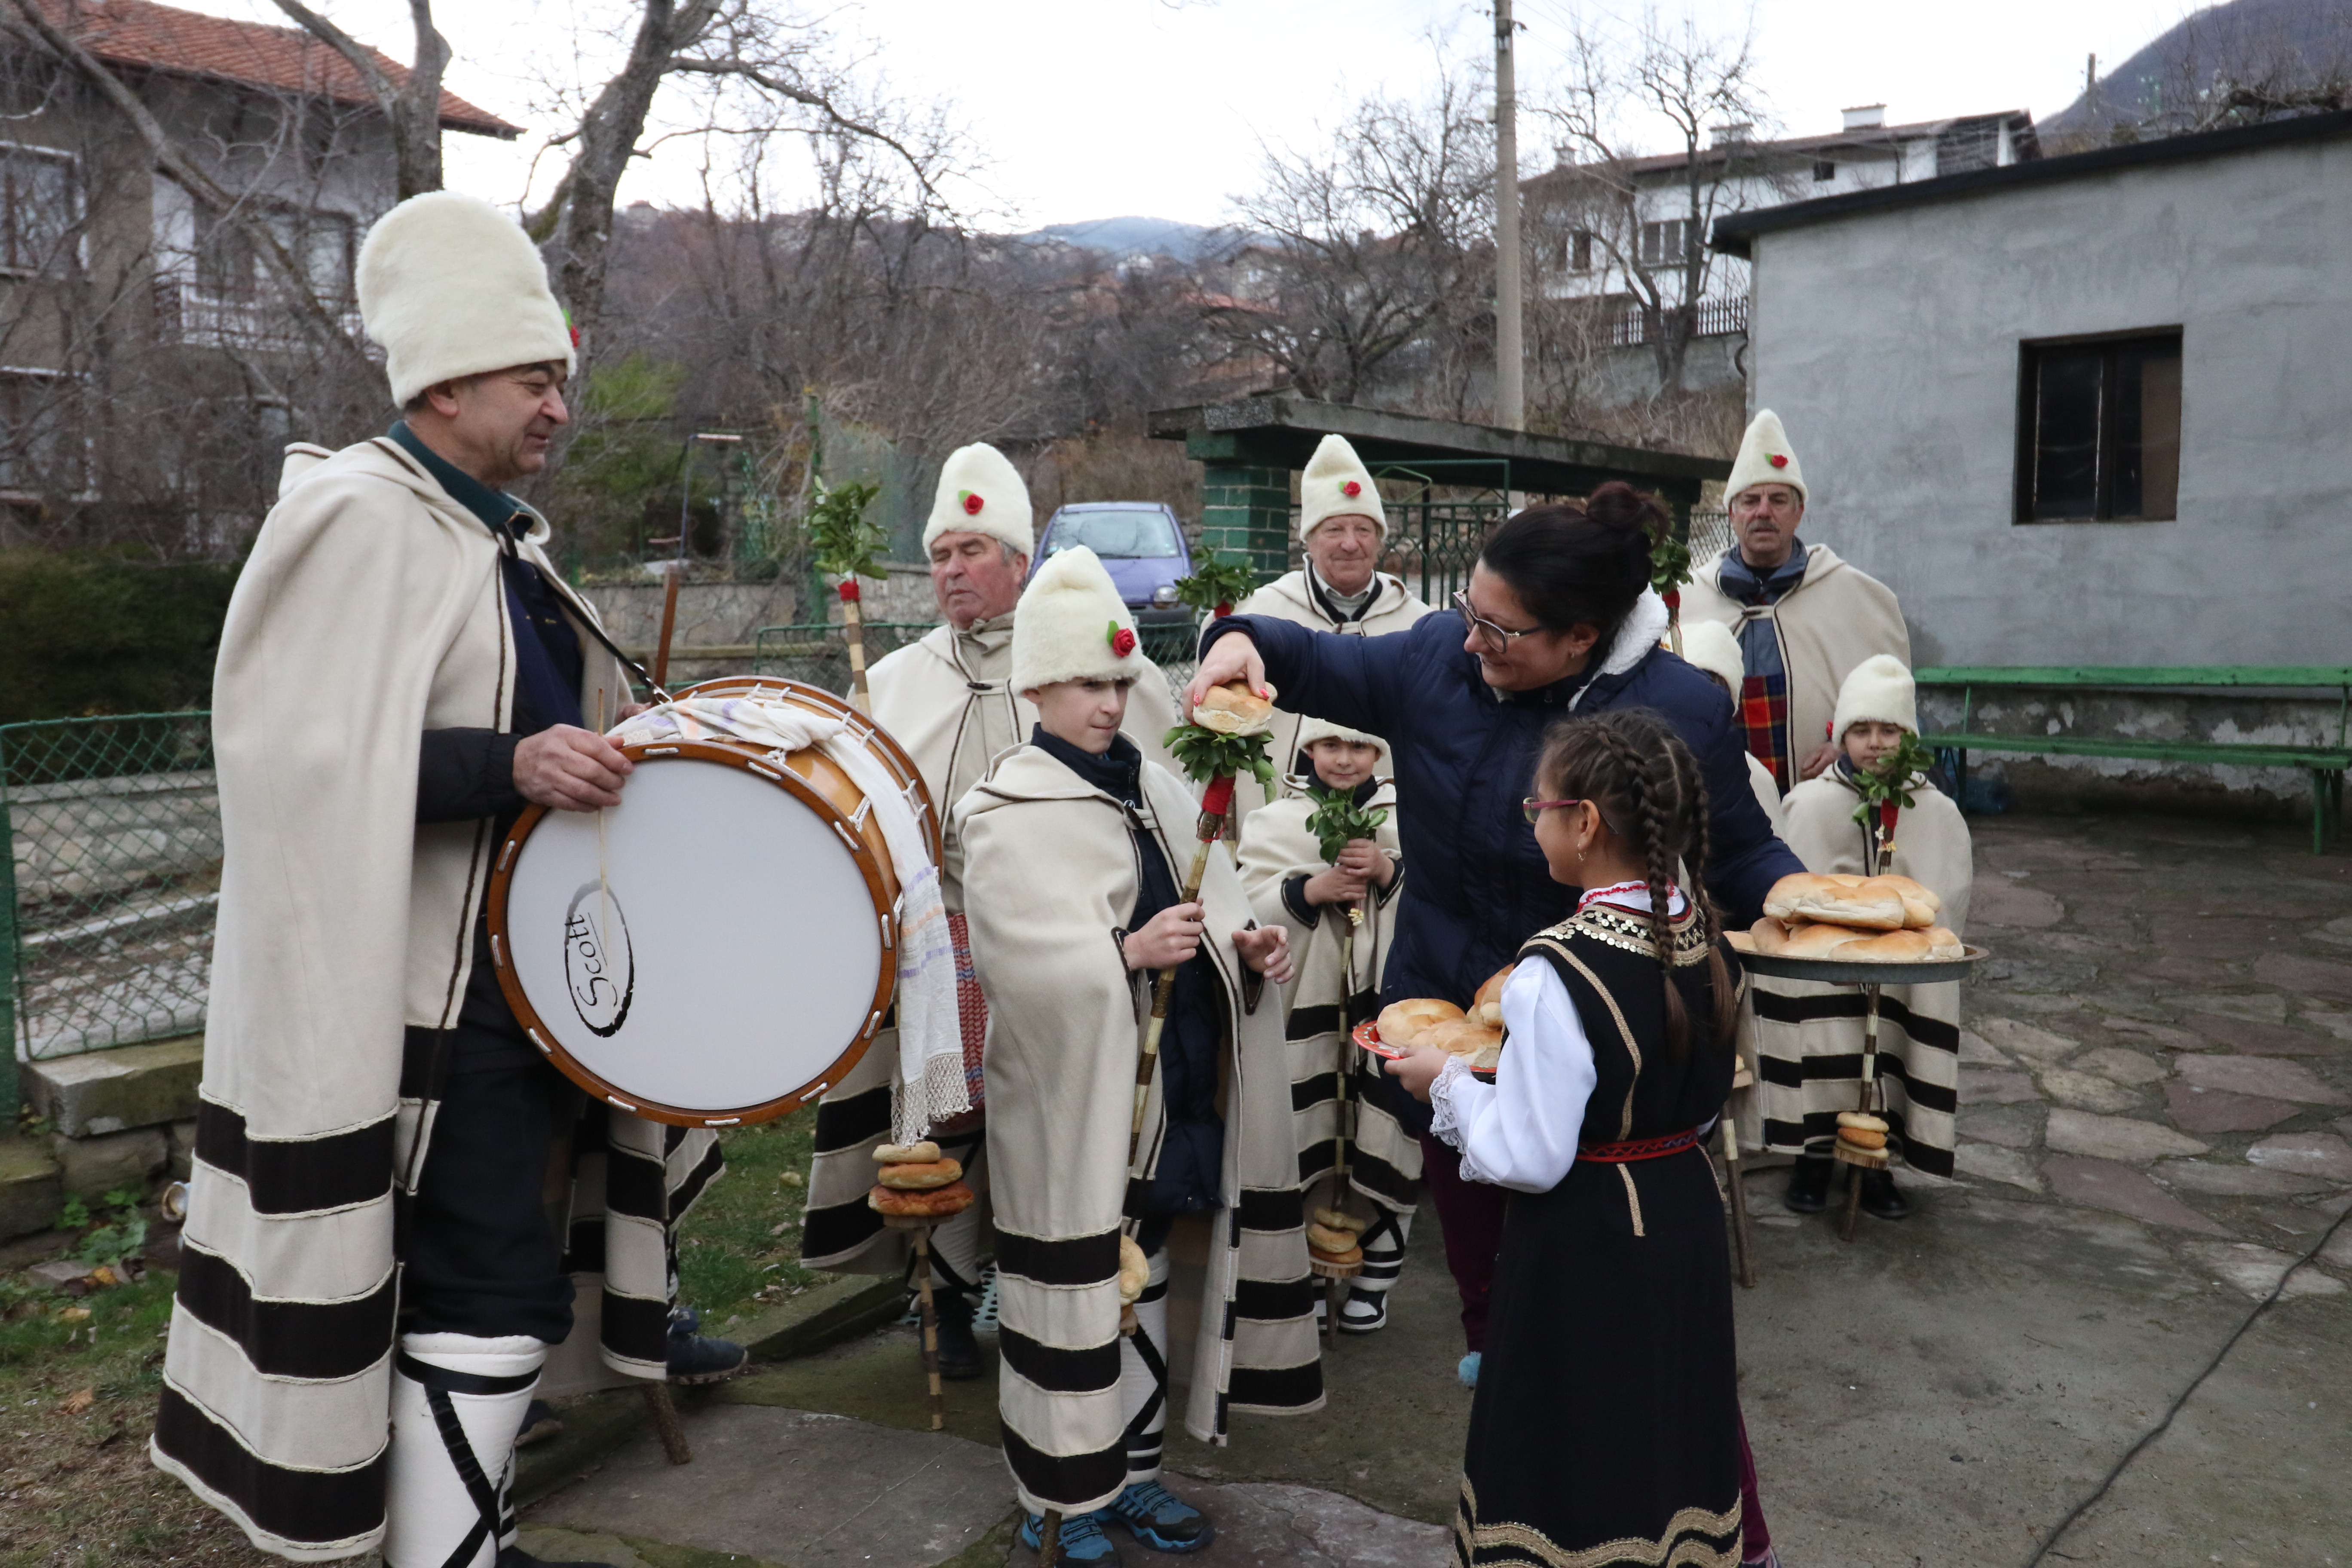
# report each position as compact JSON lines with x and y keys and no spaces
{"x":588,"y":623}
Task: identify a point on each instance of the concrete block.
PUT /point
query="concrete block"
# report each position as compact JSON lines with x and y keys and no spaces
{"x":109,"y":1090}
{"x":32,"y":1188}
{"x":96,"y":1165}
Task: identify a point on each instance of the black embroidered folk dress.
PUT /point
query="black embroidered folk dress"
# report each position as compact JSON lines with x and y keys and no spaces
{"x":1606,"y":1425}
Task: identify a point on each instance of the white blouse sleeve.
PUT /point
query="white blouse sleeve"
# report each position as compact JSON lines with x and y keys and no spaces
{"x":1521,"y":1132}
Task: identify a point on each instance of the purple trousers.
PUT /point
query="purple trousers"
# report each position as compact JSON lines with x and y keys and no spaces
{"x":1470,"y":1216}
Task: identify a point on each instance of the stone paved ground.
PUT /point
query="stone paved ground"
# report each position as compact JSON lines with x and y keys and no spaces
{"x":2156,"y":1108}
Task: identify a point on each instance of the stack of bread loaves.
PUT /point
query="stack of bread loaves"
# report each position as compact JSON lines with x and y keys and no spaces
{"x":915,"y":1183}
{"x":1331,"y":1238}
{"x":1854,"y":920}
{"x":1859,"y":1129}
{"x":1477,"y":1037}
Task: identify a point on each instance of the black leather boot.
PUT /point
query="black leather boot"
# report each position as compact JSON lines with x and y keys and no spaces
{"x":959,"y":1357}
{"x":1809,"y":1184}
{"x":1880,"y":1197}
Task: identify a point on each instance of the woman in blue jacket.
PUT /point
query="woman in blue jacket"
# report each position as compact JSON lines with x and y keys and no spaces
{"x":1558,"y":618}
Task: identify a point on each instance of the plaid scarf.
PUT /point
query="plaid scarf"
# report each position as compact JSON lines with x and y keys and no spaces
{"x":1764,"y":716}
{"x":1764,"y":696}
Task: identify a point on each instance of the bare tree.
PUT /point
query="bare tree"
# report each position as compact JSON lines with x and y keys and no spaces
{"x":1371,"y":244}
{"x":1701,"y":91}
{"x":411,"y":106}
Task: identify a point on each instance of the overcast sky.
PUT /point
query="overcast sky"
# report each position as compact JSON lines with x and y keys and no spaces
{"x":1088,"y":109}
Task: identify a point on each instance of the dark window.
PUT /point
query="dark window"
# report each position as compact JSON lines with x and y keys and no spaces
{"x":1824,"y":171}
{"x":39,"y":453}
{"x":2099,"y":429}
{"x":36,"y":209}
{"x":1663,"y":243}
{"x":1580,"y":252}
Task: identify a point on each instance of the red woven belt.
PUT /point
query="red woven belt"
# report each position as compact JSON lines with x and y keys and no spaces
{"x":1640,"y":1149}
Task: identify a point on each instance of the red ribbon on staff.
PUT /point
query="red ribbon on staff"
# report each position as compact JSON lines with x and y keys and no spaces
{"x":1217,"y":800}
{"x":848,"y":590}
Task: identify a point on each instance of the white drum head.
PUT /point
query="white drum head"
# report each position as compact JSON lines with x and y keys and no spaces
{"x":716,"y":954}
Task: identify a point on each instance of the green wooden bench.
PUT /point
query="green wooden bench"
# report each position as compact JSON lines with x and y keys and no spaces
{"x":2326,"y":764}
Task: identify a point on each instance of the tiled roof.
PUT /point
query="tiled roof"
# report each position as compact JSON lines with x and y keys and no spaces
{"x":148,"y":37}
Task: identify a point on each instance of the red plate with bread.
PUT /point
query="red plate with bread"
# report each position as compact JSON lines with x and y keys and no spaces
{"x":1476,"y":1036}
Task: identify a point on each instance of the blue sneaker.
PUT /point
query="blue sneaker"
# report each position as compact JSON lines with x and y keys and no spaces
{"x":1083,"y":1540}
{"x":1468,"y":1370}
{"x":1160,"y":1519}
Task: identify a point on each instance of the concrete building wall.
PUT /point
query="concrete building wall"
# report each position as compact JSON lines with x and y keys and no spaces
{"x":1888,"y":341}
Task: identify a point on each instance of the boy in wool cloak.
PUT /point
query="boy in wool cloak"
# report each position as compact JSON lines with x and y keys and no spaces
{"x":1811,"y":1035}
{"x":1338,"y":987}
{"x":1073,"y":847}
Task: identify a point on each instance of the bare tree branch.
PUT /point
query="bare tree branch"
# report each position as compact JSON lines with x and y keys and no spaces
{"x":412,"y":107}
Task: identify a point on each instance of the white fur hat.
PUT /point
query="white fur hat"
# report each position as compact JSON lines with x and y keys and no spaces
{"x":1313,"y":729}
{"x":1337,"y":484}
{"x":451,"y":287}
{"x":981,"y":492}
{"x":1879,"y":690}
{"x":1715,"y":648}
{"x":1070,"y":624}
{"x":1766,"y":458}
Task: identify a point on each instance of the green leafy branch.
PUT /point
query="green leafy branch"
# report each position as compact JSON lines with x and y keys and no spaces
{"x":1896,"y":778}
{"x":1205,"y":755}
{"x":842,"y":542}
{"x":1670,"y":564}
{"x":1214,"y":583}
{"x":1337,"y":819}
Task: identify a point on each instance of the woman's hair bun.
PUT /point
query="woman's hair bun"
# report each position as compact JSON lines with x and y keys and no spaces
{"x":1620,"y":507}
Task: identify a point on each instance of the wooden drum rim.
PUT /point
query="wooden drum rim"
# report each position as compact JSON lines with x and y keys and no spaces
{"x":865,"y":728}
{"x":752,"y":760}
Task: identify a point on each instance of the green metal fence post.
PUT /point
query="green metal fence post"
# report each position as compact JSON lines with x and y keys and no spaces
{"x":1245,"y":516}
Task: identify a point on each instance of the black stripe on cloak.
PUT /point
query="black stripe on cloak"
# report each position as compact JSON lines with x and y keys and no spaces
{"x":858,"y":1118}
{"x":1782,"y":1073}
{"x":706,"y":1171}
{"x":1274,"y":1301}
{"x":1081,"y":1260}
{"x":1276,"y":1387}
{"x":316,"y":1506}
{"x":1367,"y":1172}
{"x":1786,"y":1009}
{"x":633,"y":1185}
{"x":1269,"y":1208}
{"x":321,"y":1339}
{"x":1094,"y":1370}
{"x":1307,"y":1093}
{"x":1306,"y":1023}
{"x":1065,"y":1479}
{"x":837,"y":1228}
{"x":296,"y":1175}
{"x":635,"y":1327}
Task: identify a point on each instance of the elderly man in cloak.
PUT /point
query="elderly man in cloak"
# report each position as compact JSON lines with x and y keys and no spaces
{"x":1805,"y":618}
{"x":949,"y":700}
{"x":372,"y":1276}
{"x":1343,"y":528}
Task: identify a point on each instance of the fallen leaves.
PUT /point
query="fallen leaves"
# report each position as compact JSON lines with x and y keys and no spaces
{"x":79,"y":1400}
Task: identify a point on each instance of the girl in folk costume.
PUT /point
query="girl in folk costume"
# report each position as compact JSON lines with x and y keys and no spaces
{"x":1341,"y":915}
{"x":1072,"y":847}
{"x":1872,"y":812}
{"x":1606,"y":1425}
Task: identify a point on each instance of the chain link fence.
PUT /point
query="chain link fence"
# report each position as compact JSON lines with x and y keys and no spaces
{"x":107,"y":892}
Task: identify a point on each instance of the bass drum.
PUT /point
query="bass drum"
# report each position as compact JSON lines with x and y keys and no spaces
{"x":721,"y":948}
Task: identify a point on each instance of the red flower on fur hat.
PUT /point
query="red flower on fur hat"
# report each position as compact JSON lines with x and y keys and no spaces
{"x":1351,"y":489}
{"x":971,"y":502}
{"x":1778,"y":460}
{"x":1121,"y":640}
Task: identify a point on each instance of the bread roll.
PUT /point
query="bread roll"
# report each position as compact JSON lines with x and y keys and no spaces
{"x":1887,"y":947}
{"x":1943,"y":944}
{"x":1333,"y":1219}
{"x":921,"y":1153}
{"x":1324,"y":1238}
{"x":1462,"y":1037}
{"x":1487,"y":1059}
{"x":1813,"y":939}
{"x":936,"y":1203}
{"x":917,"y":1177}
{"x":1491,"y":990}
{"x":1405,"y":1023}
{"x":1839,"y":900}
{"x":1233,"y":708}
{"x":1769,"y":936}
{"x":1919,"y":903}
{"x":1134,"y":1271}
{"x":1863,"y":1119}
{"x":1353,"y":1255}
{"x":1860,"y":1139}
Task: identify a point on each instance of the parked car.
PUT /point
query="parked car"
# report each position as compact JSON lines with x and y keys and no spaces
{"x":1140,"y":543}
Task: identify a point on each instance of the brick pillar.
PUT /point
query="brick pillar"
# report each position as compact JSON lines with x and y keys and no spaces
{"x":1245,"y":516}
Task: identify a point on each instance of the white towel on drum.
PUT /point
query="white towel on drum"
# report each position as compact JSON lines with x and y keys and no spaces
{"x":928,"y":1086}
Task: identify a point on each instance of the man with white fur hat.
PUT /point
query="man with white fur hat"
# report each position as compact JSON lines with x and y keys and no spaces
{"x":1341,"y":916}
{"x":1073,"y":847}
{"x":1343,"y":529}
{"x":1805,"y":618}
{"x":1809,"y":1036}
{"x":372,"y":1279}
{"x":950,"y":701}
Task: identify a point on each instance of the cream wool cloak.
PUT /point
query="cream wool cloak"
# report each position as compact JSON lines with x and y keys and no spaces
{"x":1066,"y":1018}
{"x":370,"y":609}
{"x":1334,"y":965}
{"x":948,"y":698}
{"x":1290,"y":597}
{"x":1810,"y":1035}
{"x":1835,"y":617}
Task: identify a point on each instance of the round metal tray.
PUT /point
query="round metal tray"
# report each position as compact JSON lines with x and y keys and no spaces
{"x":1847,"y":972}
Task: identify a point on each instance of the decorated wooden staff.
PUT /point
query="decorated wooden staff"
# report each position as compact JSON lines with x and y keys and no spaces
{"x":914,"y":1190}
{"x":844,"y":546}
{"x":1334,"y":1252}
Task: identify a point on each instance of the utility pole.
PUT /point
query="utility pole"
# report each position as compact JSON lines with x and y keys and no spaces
{"x":1510,"y":370}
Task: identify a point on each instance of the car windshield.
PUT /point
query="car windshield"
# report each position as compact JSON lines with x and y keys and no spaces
{"x":1123,"y":536}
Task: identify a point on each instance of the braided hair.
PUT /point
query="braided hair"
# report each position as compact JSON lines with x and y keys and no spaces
{"x":1631,"y":764}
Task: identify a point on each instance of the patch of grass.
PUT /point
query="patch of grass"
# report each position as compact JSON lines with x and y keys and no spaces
{"x":740,"y":1247}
